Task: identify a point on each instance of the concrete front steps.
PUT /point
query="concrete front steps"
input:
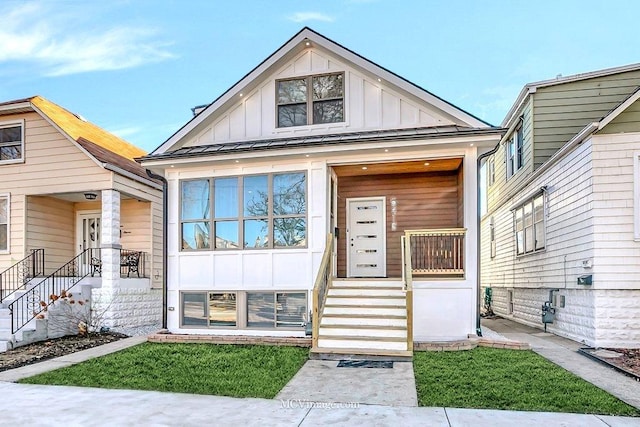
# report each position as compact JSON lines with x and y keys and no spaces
{"x":33,"y":331}
{"x":364,"y":318}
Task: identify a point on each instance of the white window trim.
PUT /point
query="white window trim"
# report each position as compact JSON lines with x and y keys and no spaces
{"x":10,"y":124}
{"x":525,"y":201}
{"x":636,"y":196}
{"x":512,"y":167}
{"x":8,"y":197}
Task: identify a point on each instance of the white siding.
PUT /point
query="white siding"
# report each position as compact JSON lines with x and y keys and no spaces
{"x":616,"y":251}
{"x":369,"y":104}
{"x":443,"y":309}
{"x":569,"y":241}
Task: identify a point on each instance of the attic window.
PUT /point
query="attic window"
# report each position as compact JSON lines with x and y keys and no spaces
{"x":310,"y":100}
{"x":11,"y":142}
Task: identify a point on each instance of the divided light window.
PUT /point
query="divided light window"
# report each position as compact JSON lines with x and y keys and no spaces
{"x":11,"y":146}
{"x":530,"y":233}
{"x":4,"y":223}
{"x":310,"y":100}
{"x":255,"y":211}
{"x":515,"y":151}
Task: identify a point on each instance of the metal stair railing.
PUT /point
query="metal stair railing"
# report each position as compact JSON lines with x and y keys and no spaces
{"x":18,"y":275}
{"x":33,"y":302}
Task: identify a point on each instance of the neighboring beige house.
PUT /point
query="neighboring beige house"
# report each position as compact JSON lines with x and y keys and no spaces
{"x":290,"y":194}
{"x":67,"y":187}
{"x":562,"y":221}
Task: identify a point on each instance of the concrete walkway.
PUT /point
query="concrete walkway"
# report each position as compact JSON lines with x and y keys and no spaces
{"x":564,"y":352}
{"x":318,"y":395}
{"x":323,"y":381}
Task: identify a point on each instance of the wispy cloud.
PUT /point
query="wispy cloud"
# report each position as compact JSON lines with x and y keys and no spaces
{"x":310,"y":16}
{"x":34,"y":32}
{"x":127,"y":132}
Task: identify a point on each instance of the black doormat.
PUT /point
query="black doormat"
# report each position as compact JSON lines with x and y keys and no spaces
{"x":365,"y":364}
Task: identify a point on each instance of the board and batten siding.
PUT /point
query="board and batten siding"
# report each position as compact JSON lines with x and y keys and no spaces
{"x":72,"y":171}
{"x":369,"y":104}
{"x":504,"y":188}
{"x":569,"y":224}
{"x":424,"y":200}
{"x":561,"y":111}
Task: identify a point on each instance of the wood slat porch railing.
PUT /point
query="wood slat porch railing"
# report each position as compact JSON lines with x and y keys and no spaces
{"x":321,"y":288}
{"x":436,"y":252}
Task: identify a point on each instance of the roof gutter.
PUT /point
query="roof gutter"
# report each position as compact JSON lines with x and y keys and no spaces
{"x":481,"y":157}
{"x":165,"y":208}
{"x":130,"y":175}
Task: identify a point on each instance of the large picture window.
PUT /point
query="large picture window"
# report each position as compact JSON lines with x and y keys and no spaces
{"x":249,"y":212}
{"x":529,"y":226}
{"x":4,"y":223}
{"x":11,"y":143}
{"x":310,"y":100}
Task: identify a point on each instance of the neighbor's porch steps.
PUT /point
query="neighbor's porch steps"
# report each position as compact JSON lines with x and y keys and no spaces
{"x":364,"y":317}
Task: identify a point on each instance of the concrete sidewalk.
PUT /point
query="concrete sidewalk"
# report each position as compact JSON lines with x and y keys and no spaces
{"x":24,"y":404}
{"x":564,"y":352}
{"x":297,"y":404}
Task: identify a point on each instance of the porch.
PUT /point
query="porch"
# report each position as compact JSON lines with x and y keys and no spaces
{"x":374,"y":205}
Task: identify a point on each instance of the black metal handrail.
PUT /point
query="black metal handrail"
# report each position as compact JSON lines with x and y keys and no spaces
{"x":30,"y":304}
{"x":18,"y":275}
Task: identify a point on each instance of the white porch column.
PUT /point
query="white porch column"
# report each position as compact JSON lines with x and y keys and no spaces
{"x":110,"y":243}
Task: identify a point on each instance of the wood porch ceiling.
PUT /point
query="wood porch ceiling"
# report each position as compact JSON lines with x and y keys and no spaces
{"x":419,"y":166}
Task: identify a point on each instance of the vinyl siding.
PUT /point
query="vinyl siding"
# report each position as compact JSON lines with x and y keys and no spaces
{"x":503,"y":188}
{"x":51,"y":226}
{"x":563,"y":110}
{"x":617,"y":253}
{"x":72,"y":171}
{"x":142,"y":217}
{"x":627,"y":121}
{"x":569,"y":241}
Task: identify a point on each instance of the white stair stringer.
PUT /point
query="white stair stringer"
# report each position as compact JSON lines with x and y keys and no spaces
{"x":367,"y":317}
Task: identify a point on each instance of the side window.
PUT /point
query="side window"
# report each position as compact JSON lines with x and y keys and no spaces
{"x":530,"y":232}
{"x":4,"y":223}
{"x":11,"y":142}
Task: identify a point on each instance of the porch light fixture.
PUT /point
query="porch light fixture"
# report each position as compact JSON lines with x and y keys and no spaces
{"x":364,"y":168}
{"x":90,"y":195}
{"x":426,"y":164}
{"x":307,"y":44}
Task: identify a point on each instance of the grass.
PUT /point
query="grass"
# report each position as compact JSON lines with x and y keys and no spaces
{"x":226,"y":370}
{"x":507,"y":379}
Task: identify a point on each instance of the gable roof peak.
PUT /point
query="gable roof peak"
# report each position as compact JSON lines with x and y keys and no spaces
{"x":295,"y":45}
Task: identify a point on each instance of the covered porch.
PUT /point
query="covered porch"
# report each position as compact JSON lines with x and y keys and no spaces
{"x":375,"y":205}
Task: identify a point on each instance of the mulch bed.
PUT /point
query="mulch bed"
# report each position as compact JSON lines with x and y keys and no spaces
{"x":628,"y":360}
{"x":37,"y":352}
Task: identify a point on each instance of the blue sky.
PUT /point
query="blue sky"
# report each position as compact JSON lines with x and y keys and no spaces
{"x":137,"y":67}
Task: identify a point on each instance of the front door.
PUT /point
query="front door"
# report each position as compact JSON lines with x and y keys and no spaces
{"x":366,"y":237}
{"x":88,"y":233}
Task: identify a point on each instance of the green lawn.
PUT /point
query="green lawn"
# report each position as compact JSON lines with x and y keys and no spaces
{"x":225,"y":370}
{"x":507,"y":379}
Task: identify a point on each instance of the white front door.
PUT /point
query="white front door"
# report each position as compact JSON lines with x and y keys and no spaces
{"x":366,"y":237}
{"x":88,"y":233}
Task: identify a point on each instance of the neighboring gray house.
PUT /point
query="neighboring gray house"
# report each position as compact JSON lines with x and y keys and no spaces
{"x":562,"y":221}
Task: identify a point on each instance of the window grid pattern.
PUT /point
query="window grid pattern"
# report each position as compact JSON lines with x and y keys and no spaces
{"x":310,"y":100}
{"x":261,"y":211}
{"x":529,"y":226}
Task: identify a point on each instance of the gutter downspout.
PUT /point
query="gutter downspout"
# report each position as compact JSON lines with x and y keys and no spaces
{"x":165,"y":208}
{"x":481,"y":157}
